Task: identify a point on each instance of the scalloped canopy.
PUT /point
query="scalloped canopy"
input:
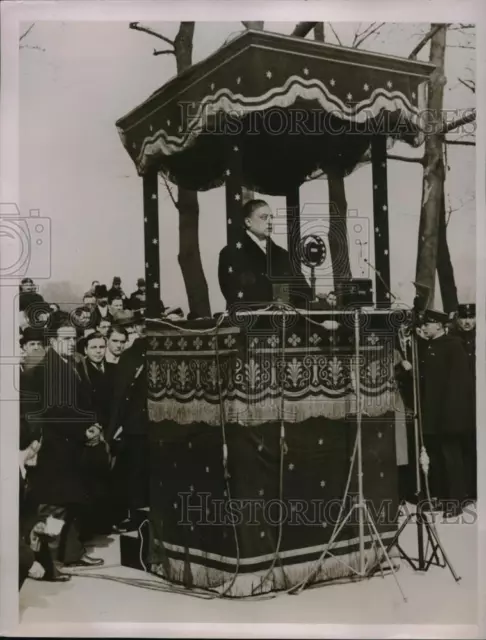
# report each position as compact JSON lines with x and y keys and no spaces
{"x":293,"y":106}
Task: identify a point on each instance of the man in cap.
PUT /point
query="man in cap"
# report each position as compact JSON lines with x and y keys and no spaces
{"x":138,"y":297}
{"x":33,"y":350}
{"x":116,"y":290}
{"x":447,"y":418}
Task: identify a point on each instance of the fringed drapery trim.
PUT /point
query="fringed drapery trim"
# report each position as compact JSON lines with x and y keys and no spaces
{"x":247,"y":414}
{"x":333,"y":568}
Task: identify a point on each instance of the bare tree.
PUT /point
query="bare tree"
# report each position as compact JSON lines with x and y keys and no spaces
{"x":187,"y":202}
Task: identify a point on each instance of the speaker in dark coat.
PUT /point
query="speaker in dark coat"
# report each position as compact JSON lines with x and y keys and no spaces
{"x":247,"y":274}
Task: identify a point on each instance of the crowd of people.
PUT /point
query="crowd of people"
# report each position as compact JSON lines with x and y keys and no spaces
{"x":83,"y":425}
{"x":84,"y":429}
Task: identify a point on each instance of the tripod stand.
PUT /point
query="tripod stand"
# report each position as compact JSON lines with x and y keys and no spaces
{"x":423,"y":520}
{"x":365,"y":518}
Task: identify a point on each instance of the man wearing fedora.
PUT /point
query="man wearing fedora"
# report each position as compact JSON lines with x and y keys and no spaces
{"x":138,"y":297}
{"x":446,"y":387}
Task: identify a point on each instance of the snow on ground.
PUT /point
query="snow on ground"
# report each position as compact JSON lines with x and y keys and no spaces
{"x":433,"y":597}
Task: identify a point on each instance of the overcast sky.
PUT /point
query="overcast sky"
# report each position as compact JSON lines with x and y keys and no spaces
{"x":74,"y":168}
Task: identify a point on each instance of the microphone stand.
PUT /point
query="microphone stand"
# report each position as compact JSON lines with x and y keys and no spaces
{"x":423,"y":521}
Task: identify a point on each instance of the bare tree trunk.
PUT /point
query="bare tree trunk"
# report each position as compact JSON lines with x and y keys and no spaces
{"x":445,"y":269}
{"x":434,"y":175}
{"x":338,"y":207}
{"x":187,"y":203}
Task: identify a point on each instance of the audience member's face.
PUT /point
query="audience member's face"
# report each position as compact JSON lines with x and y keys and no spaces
{"x":33,"y":351}
{"x":332,"y":300}
{"x":102,"y":302}
{"x":431,"y":329}
{"x":28,"y":286}
{"x":103,"y":327}
{"x":94,"y":285}
{"x":260,"y":222}
{"x":466,"y":324}
{"x":142,"y":288}
{"x":116,"y":343}
{"x":89,"y":301}
{"x":117,"y":304}
{"x":95,"y":350}
{"x":65,"y":341}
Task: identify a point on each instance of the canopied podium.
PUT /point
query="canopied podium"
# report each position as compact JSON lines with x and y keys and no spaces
{"x":253,"y":416}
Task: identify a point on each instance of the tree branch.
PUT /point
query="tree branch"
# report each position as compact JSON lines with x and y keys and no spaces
{"x":359,"y":38}
{"x":465,"y":143}
{"x":163,"y":52}
{"x":470,"y":117}
{"x":31,"y":46}
{"x":470,"y":84}
{"x":392,"y":156}
{"x":26,"y":32}
{"x":301,"y":29}
{"x":335,"y":34}
{"x":424,"y":40}
{"x":138,"y":27}
{"x":169,"y":191}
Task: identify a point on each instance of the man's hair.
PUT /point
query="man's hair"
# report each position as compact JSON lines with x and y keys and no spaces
{"x":93,"y":336}
{"x":94,"y":282}
{"x":103,"y":320}
{"x":117,"y":329}
{"x":250,"y":206}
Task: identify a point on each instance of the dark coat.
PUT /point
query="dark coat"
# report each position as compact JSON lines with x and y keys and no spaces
{"x":96,"y":317}
{"x":468,"y":339}
{"x":129,"y":407}
{"x":116,"y":293}
{"x":63,"y":412}
{"x":447,"y":398}
{"x":99,"y":385}
{"x":246,"y":274}
{"x":137,"y":300}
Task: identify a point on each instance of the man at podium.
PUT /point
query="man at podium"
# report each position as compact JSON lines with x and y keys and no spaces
{"x":257,"y":271}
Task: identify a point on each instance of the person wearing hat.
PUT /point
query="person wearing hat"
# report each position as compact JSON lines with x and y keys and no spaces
{"x":446,"y":389}
{"x":101,"y":311}
{"x":116,"y":290}
{"x":138,"y":297}
{"x":32,"y":347}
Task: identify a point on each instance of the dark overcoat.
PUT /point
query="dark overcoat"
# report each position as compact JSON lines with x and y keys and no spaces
{"x":59,"y":406}
{"x":447,"y":388}
{"x":246,"y":274}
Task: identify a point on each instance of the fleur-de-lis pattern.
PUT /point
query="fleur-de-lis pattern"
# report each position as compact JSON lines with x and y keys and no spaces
{"x":253,"y":372}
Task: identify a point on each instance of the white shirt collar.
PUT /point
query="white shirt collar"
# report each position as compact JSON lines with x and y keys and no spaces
{"x":103,"y":311}
{"x":261,"y":243}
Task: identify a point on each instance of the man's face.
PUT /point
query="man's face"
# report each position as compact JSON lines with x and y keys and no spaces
{"x":89,"y":301}
{"x":33,"y":350}
{"x":466,"y":324}
{"x":94,"y":285}
{"x":117,"y":305}
{"x":104,"y":327}
{"x":28,"y":286}
{"x":102,"y":302}
{"x":332,"y":300}
{"x":431,"y":329}
{"x":95,"y":350}
{"x":116,"y":343}
{"x":65,"y":341}
{"x":260,"y":222}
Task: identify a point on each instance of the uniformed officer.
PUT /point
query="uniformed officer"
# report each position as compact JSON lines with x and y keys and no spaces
{"x":465,"y":330}
{"x":447,"y":416}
